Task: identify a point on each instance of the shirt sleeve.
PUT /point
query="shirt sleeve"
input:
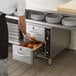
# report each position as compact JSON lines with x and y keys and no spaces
{"x":21,"y":7}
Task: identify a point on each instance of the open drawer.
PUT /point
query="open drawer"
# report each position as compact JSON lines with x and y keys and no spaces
{"x":25,"y":54}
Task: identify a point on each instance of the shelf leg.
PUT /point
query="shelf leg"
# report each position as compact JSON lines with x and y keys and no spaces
{"x":49,"y":61}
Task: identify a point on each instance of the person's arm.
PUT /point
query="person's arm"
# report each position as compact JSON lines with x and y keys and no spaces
{"x":21,"y":14}
{"x":22,"y":24}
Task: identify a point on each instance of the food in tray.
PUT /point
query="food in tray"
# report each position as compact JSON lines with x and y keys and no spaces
{"x":35,"y":46}
{"x":33,"y":38}
{"x":32,"y":45}
{"x":29,"y":45}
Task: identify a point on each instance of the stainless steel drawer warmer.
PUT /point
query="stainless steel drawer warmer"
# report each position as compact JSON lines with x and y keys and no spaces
{"x":55,"y":40}
{"x":25,"y":54}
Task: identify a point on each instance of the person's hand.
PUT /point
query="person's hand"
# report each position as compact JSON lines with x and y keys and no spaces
{"x":27,"y":36}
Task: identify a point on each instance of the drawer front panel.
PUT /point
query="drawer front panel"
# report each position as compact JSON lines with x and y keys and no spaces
{"x":23,"y":54}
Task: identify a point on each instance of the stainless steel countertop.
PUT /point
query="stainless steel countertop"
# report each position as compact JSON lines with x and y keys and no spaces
{"x":43,"y":24}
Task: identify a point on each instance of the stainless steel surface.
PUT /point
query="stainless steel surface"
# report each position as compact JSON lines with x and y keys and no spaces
{"x":55,"y":36}
{"x":13,"y":31}
{"x":44,"y":24}
{"x":60,"y":40}
{"x":25,"y":54}
{"x":55,"y":39}
{"x":36,"y":31}
{"x":22,"y":54}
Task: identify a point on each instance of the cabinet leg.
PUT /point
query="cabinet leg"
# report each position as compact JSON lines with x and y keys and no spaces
{"x":50,"y":62}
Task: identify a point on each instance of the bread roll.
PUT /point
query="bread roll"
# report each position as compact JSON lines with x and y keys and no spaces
{"x":30,"y":45}
{"x":33,"y":38}
{"x":35,"y":46}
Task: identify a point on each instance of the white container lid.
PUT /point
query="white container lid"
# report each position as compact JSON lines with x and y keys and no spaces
{"x":69,"y":21}
{"x":36,"y":15}
{"x":53,"y":18}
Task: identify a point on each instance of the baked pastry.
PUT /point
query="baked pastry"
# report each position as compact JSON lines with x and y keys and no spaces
{"x":35,"y":46}
{"x":33,"y":38}
{"x":30,"y":45}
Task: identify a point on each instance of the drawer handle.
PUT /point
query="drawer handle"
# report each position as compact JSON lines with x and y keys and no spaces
{"x":19,"y":54}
